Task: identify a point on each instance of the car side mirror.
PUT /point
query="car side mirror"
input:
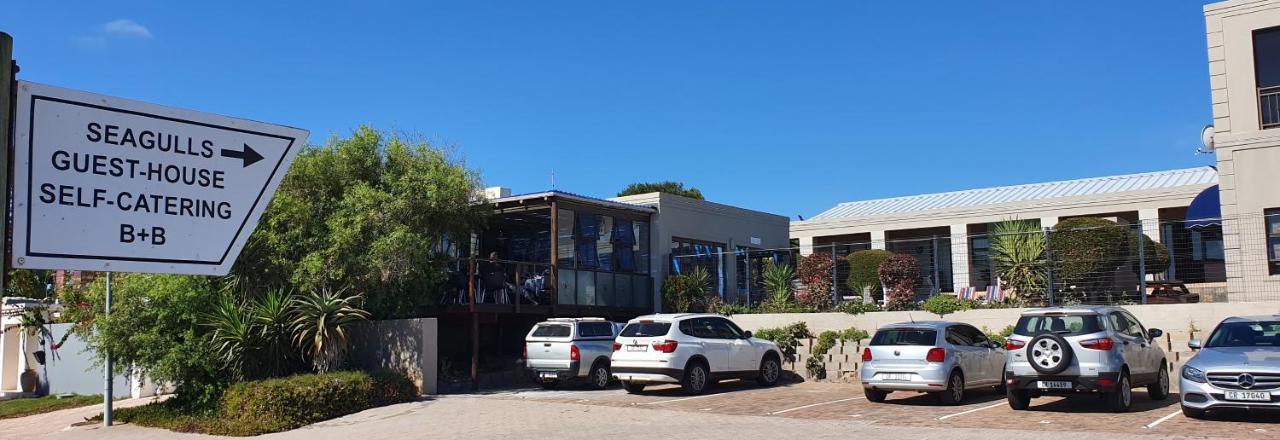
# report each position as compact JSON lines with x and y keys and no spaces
{"x":746,"y":334}
{"x":1155,"y":333}
{"x":1193,"y":344}
{"x":995,"y":344}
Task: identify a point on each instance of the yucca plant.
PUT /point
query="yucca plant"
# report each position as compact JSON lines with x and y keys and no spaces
{"x":234,"y":337}
{"x":1017,"y":251}
{"x":320,"y":326}
{"x":272,"y":315}
{"x":777,"y":281}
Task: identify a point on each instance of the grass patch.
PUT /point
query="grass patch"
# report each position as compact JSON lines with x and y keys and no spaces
{"x":23,"y":407}
{"x":274,"y":405}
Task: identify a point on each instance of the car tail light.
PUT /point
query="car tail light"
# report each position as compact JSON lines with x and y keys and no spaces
{"x":667,"y":346}
{"x":1013,"y":344}
{"x":525,"y":352}
{"x":574,"y":354}
{"x":617,"y":346}
{"x":1098,"y":344}
{"x":936,"y":355}
{"x":866,"y":355}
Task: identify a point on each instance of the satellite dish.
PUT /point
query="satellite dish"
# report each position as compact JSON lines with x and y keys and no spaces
{"x":1206,"y":139}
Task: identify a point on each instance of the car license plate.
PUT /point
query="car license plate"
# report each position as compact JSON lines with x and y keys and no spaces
{"x":548,"y":375}
{"x":1054,"y":384}
{"x":1252,"y":396}
{"x":637,"y":348}
{"x":895,"y":376}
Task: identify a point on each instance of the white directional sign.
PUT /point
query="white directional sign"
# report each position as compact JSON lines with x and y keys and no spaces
{"x":109,"y":184}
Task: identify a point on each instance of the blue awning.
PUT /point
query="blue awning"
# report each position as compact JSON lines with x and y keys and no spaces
{"x":1205,"y":210}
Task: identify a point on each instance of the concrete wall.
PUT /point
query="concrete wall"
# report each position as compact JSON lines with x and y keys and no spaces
{"x":842,"y":361}
{"x":72,"y":369}
{"x":683,"y":217}
{"x":1247,"y":155}
{"x":409,"y":346}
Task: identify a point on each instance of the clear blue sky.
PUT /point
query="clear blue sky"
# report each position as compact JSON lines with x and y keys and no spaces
{"x":762,"y":104}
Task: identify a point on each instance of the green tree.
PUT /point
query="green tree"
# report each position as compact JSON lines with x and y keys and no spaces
{"x":666,"y":186}
{"x":369,"y":213}
{"x":864,"y":270}
{"x":28,"y":283}
{"x":1017,"y":252}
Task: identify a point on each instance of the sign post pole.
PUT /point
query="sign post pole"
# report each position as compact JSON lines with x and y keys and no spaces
{"x":7,"y":90}
{"x":107,"y":382}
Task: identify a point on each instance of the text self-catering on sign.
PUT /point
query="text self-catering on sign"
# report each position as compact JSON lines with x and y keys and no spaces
{"x":103,"y":183}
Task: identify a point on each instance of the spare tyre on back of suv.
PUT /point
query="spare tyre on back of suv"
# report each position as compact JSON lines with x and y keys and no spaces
{"x":1049,"y":353}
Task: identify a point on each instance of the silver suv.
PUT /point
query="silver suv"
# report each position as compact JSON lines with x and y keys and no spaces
{"x":567,"y":349}
{"x":1076,"y":350}
{"x":1239,"y":367}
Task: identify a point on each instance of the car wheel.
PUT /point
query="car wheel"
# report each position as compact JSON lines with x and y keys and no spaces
{"x":695,"y":379}
{"x":876,"y":396}
{"x":955,"y":390}
{"x":633,"y":388}
{"x":1049,"y":353}
{"x":1119,"y":399}
{"x":1018,"y":399}
{"x":550,"y":384}
{"x":770,"y":370}
{"x":1159,"y":390}
{"x":1193,"y":413}
{"x":600,"y":376}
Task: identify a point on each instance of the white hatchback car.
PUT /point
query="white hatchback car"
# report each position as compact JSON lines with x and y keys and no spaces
{"x":693,"y":350}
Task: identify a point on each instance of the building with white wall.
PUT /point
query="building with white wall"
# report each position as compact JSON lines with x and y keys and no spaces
{"x":1243,"y":39}
{"x":947,"y":232}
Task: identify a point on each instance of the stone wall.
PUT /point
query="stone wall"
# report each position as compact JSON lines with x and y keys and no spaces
{"x":405,"y":345}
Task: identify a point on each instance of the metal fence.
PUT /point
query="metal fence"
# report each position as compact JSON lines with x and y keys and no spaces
{"x":1077,"y":261}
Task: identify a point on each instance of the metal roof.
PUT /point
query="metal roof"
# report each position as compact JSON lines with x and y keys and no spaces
{"x":1023,"y":193}
{"x":575,"y":197}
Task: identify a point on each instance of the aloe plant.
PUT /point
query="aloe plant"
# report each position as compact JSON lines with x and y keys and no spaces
{"x":320,"y":324}
{"x":777,"y":281}
{"x":233,"y":335}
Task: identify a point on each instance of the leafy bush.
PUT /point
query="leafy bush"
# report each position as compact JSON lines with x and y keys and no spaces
{"x":814,"y":271}
{"x":777,"y":281}
{"x":998,"y":337}
{"x":899,"y":273}
{"x":856,"y":308}
{"x":943,"y":305}
{"x":275,"y":405}
{"x":786,"y":337}
{"x":828,"y":339}
{"x":816,"y":368}
{"x":1084,"y":251}
{"x":864,"y":269}
{"x":686,"y":293}
{"x":1155,"y":254}
{"x":320,"y":323}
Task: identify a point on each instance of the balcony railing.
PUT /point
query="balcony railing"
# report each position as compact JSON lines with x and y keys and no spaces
{"x":1269,"y":107}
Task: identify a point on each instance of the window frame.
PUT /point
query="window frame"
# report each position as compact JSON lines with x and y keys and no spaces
{"x":1272,"y":235}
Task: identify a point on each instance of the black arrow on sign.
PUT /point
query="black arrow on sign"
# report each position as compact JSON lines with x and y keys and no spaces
{"x":249,"y":156}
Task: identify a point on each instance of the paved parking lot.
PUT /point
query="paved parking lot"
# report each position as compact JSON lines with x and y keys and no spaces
{"x":983,"y":409}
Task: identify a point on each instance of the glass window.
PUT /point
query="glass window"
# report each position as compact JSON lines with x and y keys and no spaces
{"x":979,"y":262}
{"x":604,"y":243}
{"x":1066,"y":325}
{"x":958,"y":337}
{"x":1272,"y":219}
{"x":642,"y":246}
{"x":689,"y":254}
{"x":564,"y":237}
{"x":646,"y":329}
{"x":1246,"y":334}
{"x":622,"y":292}
{"x":566,"y":286}
{"x":723,"y":329}
{"x":905,"y":336}
{"x":551,"y":331}
{"x":604,"y":290}
{"x":1266,"y":65}
{"x":595,"y":329}
{"x":586,"y":288}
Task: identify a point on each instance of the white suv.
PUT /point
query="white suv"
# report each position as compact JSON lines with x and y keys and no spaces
{"x":693,"y":350}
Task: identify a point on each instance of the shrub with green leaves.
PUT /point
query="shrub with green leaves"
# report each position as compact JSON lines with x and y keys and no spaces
{"x":777,"y":281}
{"x":1017,"y":252}
{"x":828,"y":339}
{"x":1000,"y":336}
{"x":864,"y":269}
{"x":900,"y":273}
{"x":786,"y":337}
{"x":815,"y":272}
{"x":943,"y":305}
{"x":816,"y":368}
{"x":1085,"y":250}
{"x":856,"y":308}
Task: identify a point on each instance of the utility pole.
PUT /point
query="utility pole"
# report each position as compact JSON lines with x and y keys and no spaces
{"x":8,"y":69}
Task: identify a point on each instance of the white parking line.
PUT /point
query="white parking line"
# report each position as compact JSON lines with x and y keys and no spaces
{"x":1162,"y":419}
{"x":971,"y":411}
{"x":686,"y":398}
{"x":812,"y":405}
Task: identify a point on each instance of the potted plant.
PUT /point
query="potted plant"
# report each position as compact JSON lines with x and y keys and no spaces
{"x":32,"y":322}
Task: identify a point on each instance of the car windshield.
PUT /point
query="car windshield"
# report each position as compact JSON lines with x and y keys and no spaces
{"x":643,"y":329}
{"x":551,"y":331}
{"x":905,"y":336}
{"x":1246,"y":334}
{"x":1067,"y":325}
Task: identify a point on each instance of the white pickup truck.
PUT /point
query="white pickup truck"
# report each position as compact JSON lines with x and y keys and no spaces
{"x":565,"y":349}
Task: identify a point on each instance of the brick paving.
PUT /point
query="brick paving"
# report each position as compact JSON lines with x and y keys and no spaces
{"x":981,"y":409}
